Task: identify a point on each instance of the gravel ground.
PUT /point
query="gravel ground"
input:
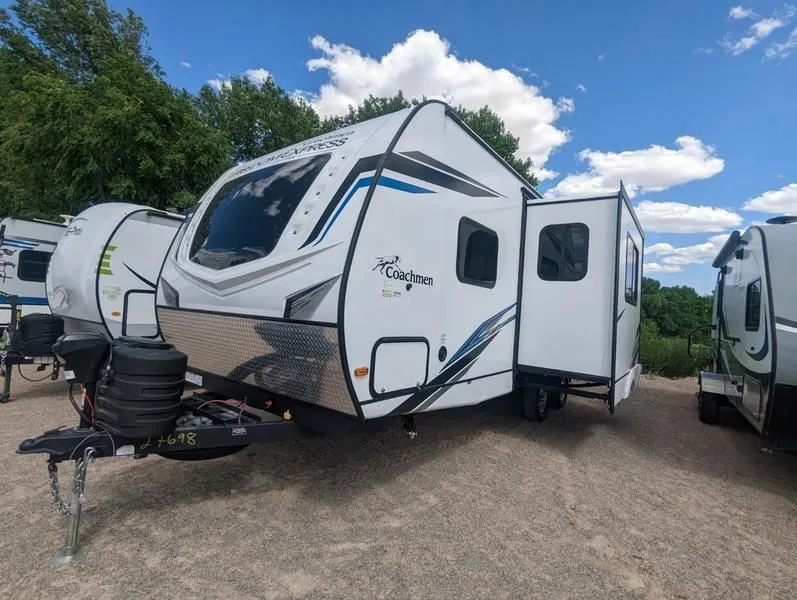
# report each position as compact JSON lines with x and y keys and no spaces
{"x":648,"y":503}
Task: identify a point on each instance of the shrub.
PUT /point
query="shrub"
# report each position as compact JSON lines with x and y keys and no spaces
{"x":668,"y":356}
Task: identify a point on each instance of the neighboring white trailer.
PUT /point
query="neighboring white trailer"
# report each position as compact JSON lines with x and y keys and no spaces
{"x":400,"y":266}
{"x":102,"y":275}
{"x":26,"y":246}
{"x":754,"y":331}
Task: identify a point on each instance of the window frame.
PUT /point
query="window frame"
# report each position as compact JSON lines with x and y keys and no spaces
{"x":633,"y":297}
{"x":460,"y":264}
{"x":21,"y":271}
{"x":565,"y":227}
{"x":747,"y":314}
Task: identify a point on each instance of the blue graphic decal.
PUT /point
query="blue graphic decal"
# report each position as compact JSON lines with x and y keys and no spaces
{"x":389,"y":182}
{"x":19,"y":244}
{"x":30,"y":300}
{"x":483,"y":332}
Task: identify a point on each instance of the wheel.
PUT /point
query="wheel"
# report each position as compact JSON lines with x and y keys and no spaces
{"x":708,"y":408}
{"x":557,"y":400}
{"x":535,"y":404}
{"x":204,"y":453}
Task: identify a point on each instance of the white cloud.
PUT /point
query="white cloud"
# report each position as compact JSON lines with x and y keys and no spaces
{"x":257,"y":75}
{"x":653,"y":267}
{"x":217,"y":84}
{"x":525,"y":70}
{"x":676,"y":217}
{"x":759,"y":30}
{"x":740,"y":12}
{"x":185,"y":64}
{"x":424,"y":64}
{"x":581,"y":87}
{"x":782,"y":201}
{"x":782,"y":49}
{"x":651,"y":169}
{"x":601,"y":56}
{"x":704,"y":51}
{"x":672,"y":258}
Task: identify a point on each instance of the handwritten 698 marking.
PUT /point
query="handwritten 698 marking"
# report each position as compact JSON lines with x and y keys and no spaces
{"x":166,"y":441}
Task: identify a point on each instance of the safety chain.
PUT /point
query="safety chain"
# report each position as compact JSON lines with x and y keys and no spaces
{"x":3,"y":364}
{"x":61,"y":507}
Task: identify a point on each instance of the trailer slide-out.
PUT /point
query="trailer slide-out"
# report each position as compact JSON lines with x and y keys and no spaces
{"x":406,"y":269}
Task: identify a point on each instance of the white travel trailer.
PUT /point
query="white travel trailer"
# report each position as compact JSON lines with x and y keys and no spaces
{"x":26,"y":246}
{"x":390,"y":268}
{"x":754,"y":331}
{"x":399,"y":266}
{"x":102,"y":274}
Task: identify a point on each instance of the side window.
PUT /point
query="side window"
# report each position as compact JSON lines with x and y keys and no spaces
{"x":752,"y":306}
{"x":33,"y":265}
{"x":631,"y":272}
{"x":477,"y":254}
{"x":563,"y":252}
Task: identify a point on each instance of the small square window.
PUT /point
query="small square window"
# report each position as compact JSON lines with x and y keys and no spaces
{"x":631,"y":272}
{"x":563,"y":252}
{"x":477,"y":254}
{"x":752,"y":308}
{"x":33,"y":265}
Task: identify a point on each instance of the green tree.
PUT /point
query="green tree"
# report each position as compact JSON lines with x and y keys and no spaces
{"x":256,"y":119}
{"x":485,"y":122}
{"x":675,"y":310}
{"x":85,"y":115}
{"x":370,"y":108}
{"x":492,"y":129}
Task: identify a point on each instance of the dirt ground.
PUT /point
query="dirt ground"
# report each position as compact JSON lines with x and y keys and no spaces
{"x":648,"y":503}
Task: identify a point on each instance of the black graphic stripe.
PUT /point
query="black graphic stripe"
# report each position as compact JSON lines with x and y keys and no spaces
{"x":295,"y":303}
{"x":367,"y":163}
{"x":405,"y":166}
{"x":433,"y":162}
{"x":144,"y":279}
{"x":786,"y":322}
{"x":443,"y":378}
{"x":436,"y":396}
{"x":620,"y":316}
{"x":764,"y":350}
{"x":635,"y":357}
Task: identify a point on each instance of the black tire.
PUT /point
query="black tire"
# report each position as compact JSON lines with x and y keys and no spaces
{"x":557,"y":400}
{"x":204,"y":453}
{"x":708,"y":408}
{"x":535,"y":404}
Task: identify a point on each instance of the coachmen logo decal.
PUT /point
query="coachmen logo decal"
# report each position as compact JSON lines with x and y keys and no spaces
{"x":389,"y":267}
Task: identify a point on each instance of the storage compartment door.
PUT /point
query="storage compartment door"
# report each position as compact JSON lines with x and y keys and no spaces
{"x":138,"y":314}
{"x":399,"y":365}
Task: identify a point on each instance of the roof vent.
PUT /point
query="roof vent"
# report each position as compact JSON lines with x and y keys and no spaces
{"x":784,"y":220}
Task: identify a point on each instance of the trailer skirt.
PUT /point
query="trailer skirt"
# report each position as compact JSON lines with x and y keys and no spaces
{"x":297,"y":360}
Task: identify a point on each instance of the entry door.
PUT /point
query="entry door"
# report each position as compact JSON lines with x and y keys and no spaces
{"x":430,"y":300}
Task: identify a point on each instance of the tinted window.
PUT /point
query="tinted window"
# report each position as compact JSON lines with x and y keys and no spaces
{"x":631,"y":272}
{"x":563,"y":252}
{"x":247,"y":216}
{"x":752,"y":312}
{"x":477,"y":254}
{"x":33,"y":265}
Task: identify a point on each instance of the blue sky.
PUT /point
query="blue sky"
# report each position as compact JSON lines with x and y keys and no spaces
{"x":693,"y":104}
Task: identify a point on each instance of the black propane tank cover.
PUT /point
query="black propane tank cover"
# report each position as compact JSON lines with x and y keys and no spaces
{"x":140,"y":397}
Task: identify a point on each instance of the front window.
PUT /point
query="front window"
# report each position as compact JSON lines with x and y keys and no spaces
{"x":247,"y":216}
